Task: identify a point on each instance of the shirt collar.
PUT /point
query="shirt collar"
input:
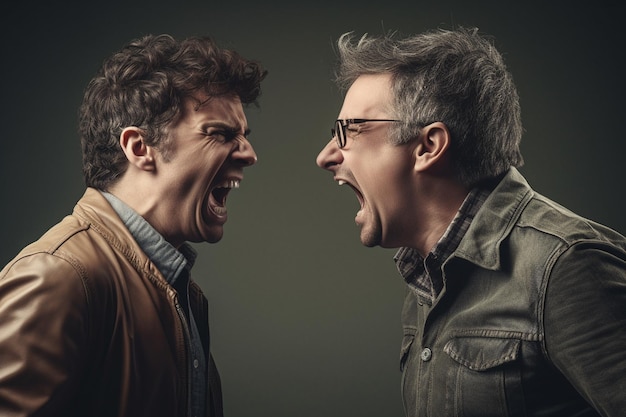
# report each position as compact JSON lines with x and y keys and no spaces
{"x":168,"y":260}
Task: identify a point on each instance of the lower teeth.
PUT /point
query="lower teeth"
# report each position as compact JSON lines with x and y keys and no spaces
{"x":219,"y":210}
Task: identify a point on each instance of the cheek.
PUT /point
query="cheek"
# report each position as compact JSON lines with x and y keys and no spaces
{"x":389,"y":189}
{"x":387,"y":172}
{"x":203,"y":164}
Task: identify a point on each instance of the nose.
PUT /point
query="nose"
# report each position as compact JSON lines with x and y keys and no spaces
{"x":330,"y":156}
{"x":244,"y":153}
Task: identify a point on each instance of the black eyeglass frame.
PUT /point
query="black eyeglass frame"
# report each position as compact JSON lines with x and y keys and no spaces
{"x":339,"y":131}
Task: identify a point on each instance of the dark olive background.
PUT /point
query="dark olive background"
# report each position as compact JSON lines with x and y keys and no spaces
{"x":305,"y":320}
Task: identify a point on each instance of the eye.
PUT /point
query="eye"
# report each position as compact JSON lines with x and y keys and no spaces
{"x":220,"y":135}
{"x":353,"y":129}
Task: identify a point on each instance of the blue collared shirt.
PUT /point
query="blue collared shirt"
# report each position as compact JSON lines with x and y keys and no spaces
{"x":175,"y":265}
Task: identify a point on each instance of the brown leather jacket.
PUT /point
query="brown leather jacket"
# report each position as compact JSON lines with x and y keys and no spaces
{"x":89,"y":326}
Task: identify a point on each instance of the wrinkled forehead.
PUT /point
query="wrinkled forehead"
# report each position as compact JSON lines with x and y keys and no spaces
{"x":225,"y":106}
{"x":369,"y":96}
{"x":200,"y":101}
{"x":226,"y":110}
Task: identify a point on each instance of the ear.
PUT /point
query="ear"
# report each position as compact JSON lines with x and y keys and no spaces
{"x":137,"y":152}
{"x":431,"y":152}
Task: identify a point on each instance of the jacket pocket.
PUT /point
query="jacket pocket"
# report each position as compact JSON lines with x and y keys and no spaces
{"x":482,"y":353}
{"x":487,"y":376}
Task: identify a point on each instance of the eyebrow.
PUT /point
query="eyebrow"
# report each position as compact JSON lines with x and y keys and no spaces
{"x":229,"y":128}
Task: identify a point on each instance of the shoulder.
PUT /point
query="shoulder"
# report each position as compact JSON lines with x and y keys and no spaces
{"x":67,"y":261}
{"x":47,"y":275}
{"x":549,"y":217}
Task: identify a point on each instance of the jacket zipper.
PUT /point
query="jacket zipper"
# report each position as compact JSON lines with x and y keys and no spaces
{"x":183,"y":319}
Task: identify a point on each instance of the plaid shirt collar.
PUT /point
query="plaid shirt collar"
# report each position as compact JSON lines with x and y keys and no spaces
{"x":423,"y":276}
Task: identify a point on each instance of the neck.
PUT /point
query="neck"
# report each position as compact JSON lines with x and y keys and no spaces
{"x":441,"y":202}
{"x":139,"y":196}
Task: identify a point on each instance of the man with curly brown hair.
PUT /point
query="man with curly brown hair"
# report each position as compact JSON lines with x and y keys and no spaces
{"x":100,"y":316}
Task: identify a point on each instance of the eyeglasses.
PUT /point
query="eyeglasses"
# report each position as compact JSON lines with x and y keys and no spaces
{"x":339,"y":131}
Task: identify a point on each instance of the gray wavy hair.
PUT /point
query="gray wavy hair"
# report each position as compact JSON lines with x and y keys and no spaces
{"x":452,"y":76}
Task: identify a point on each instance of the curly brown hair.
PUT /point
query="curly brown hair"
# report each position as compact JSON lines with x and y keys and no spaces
{"x":144,"y":85}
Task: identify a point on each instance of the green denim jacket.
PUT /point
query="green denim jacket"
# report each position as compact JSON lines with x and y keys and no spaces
{"x":531,"y":320}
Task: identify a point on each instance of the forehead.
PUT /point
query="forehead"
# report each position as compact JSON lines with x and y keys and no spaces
{"x":227,"y":109}
{"x":369,"y":96}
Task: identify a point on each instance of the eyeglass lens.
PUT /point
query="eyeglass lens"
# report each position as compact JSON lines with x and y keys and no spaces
{"x":339,"y":133}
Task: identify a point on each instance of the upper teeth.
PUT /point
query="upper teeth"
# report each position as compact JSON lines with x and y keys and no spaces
{"x":341,"y":182}
{"x":229,"y":184}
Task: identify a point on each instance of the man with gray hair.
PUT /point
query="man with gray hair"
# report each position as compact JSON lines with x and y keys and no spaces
{"x":515,"y":305}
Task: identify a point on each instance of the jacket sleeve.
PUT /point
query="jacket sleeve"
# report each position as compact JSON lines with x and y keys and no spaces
{"x":43,"y":328}
{"x":585,"y":323}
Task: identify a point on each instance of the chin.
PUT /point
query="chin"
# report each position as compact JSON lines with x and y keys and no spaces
{"x":214,"y":238}
{"x":370,"y":239}
{"x":213,"y":235}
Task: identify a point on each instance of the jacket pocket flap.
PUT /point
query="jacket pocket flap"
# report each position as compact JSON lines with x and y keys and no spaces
{"x":481,"y":353}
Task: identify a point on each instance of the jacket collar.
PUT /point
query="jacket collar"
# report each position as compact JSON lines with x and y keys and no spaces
{"x":94,"y":209}
{"x":169,"y":260}
{"x":494,"y":221}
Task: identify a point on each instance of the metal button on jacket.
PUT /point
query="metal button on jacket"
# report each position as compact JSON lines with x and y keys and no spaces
{"x":426,"y":354}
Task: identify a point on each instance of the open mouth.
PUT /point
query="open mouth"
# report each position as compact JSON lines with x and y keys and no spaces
{"x":219,"y":194}
{"x":359,"y":196}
